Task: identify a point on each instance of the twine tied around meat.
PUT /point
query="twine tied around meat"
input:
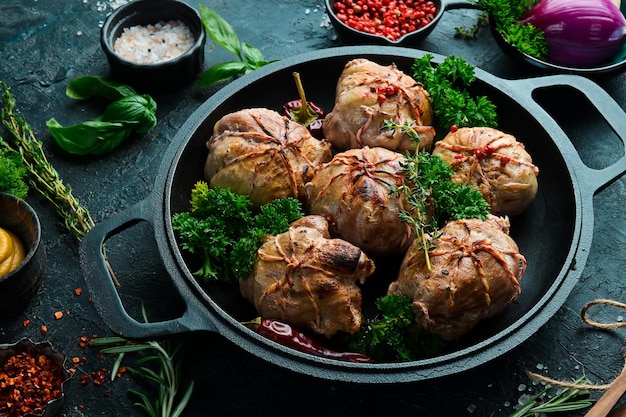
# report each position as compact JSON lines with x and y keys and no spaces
{"x":606,"y":326}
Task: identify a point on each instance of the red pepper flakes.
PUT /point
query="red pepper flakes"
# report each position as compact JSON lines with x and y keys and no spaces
{"x":78,"y":291}
{"x":97,"y":377}
{"x":28,"y":381}
{"x":58,"y":315}
{"x":44,"y":329}
{"x":121,"y":371}
{"x":25,"y":323}
{"x":84,"y":342}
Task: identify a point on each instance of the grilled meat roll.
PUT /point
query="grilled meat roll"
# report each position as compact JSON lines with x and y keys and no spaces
{"x":493,"y":162}
{"x":475,"y":273}
{"x":306,"y":279}
{"x":367,"y":94}
{"x":259,"y":153}
{"x":354,"y":190}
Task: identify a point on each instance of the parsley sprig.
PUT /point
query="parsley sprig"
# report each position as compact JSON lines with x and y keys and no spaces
{"x":393,"y":334}
{"x":13,"y":174}
{"x":225,"y":234}
{"x":452,"y":104}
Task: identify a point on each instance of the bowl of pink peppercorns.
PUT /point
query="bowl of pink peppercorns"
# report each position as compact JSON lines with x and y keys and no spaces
{"x":388,"y":22}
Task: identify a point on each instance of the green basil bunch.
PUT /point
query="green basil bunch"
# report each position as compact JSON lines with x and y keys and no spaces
{"x":128,"y":114}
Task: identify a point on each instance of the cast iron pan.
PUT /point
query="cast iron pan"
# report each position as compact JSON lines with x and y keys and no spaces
{"x":554,"y":233}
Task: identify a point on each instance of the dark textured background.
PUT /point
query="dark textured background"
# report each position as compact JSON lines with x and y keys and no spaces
{"x":46,"y":43}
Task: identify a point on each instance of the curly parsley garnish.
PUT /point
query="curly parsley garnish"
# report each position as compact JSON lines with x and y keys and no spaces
{"x":394,"y":335}
{"x":13,"y":173}
{"x":222,"y":230}
{"x":452,"y":103}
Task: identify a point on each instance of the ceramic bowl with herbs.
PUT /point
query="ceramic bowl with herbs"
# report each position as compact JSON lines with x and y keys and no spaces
{"x":572,"y":36}
{"x":32,"y":379}
{"x":392,"y":22}
{"x":154,"y":45}
{"x":22,"y":254}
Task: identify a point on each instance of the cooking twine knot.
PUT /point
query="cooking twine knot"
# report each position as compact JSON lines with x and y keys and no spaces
{"x":584,"y":316}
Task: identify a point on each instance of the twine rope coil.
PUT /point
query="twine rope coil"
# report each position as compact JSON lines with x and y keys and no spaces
{"x":585,"y":317}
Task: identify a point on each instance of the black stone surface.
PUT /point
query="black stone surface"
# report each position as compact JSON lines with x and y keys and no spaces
{"x":45,"y":43}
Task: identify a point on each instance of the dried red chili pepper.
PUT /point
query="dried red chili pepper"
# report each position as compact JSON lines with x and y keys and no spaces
{"x":28,"y":382}
{"x":286,"y":335}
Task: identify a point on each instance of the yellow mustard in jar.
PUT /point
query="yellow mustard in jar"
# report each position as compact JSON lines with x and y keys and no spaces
{"x":12,"y":251}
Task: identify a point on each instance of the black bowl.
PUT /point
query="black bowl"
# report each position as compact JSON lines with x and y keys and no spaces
{"x":353,"y":36}
{"x":164,"y":76}
{"x":616,"y":63}
{"x":19,"y":286}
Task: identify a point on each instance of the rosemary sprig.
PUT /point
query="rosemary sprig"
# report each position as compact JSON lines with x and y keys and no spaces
{"x":43,"y":177}
{"x":567,"y":399}
{"x":167,"y":376}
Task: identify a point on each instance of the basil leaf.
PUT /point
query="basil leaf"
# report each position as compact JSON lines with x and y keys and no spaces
{"x":250,"y":53}
{"x":220,"y":30}
{"x":221,"y":72}
{"x":88,"y":86}
{"x":91,"y":137}
{"x":139,"y":109}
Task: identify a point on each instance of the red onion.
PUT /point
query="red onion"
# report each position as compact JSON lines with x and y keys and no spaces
{"x":580,"y":33}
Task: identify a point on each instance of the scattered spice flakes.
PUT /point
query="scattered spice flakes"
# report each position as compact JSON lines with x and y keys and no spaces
{"x":78,"y":291}
{"x":44,"y":329}
{"x":97,"y":377}
{"x":26,"y":323}
{"x":83,"y":342}
{"x":58,"y":315}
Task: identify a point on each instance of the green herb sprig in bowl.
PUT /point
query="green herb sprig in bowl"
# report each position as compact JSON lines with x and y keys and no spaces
{"x":505,"y":15}
{"x":13,"y":174}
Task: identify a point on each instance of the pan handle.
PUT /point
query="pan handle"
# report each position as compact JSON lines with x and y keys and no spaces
{"x":607,"y":107}
{"x":103,"y":290}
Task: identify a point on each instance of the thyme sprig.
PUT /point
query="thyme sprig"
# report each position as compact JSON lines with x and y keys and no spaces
{"x":42,"y":176}
{"x":432,"y":196}
{"x":566,"y":399}
{"x":413,"y":189}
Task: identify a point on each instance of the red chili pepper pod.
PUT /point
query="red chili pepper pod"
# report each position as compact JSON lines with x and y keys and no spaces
{"x":305,"y":112}
{"x":286,"y":335}
{"x":315,"y":126}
